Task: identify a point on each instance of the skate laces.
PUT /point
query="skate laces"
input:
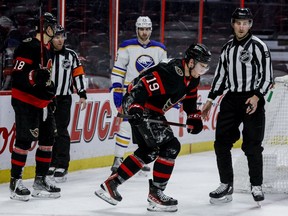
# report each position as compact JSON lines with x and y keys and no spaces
{"x":221,"y":188}
{"x":257,"y":190}
{"x":20,"y":185}
{"x":162,"y":196}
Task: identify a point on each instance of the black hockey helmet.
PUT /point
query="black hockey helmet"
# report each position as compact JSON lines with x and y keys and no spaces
{"x":242,"y":13}
{"x":198,"y":52}
{"x":48,"y":20}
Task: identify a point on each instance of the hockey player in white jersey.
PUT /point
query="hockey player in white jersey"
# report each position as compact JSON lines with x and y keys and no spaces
{"x":133,"y":56}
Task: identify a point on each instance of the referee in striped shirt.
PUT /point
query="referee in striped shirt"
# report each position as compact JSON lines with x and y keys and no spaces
{"x":67,"y":73}
{"x":245,"y":71}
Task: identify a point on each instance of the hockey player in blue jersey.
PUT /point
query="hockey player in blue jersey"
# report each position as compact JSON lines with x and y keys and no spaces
{"x":133,"y":56}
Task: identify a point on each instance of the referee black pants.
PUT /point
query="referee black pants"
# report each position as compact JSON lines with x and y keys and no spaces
{"x":232,"y":114}
{"x":61,"y":148}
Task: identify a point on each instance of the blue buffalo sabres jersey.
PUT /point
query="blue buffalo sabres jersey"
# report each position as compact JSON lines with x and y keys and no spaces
{"x":132,"y":58}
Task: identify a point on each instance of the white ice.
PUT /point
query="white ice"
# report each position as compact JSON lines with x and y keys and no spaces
{"x":193,"y":178}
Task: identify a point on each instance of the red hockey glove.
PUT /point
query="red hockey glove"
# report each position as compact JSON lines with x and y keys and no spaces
{"x":136,"y":111}
{"x":39,"y":77}
{"x":194,"y":123}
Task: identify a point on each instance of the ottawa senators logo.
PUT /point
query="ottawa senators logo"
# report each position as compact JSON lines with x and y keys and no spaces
{"x":35,"y":132}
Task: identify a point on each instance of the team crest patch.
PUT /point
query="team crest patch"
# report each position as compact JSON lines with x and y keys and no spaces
{"x":35,"y":132}
{"x":245,"y":56}
{"x":66,"y":64}
{"x":144,"y":62}
{"x":179,"y":71}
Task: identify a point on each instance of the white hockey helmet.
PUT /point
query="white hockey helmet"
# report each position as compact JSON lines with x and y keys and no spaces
{"x":143,"y":22}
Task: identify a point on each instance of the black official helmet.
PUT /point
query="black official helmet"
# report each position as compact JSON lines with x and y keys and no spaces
{"x":242,"y":13}
{"x":198,"y":52}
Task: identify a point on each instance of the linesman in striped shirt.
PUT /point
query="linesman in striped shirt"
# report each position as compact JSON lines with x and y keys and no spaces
{"x":67,"y":73}
{"x":245,"y":71}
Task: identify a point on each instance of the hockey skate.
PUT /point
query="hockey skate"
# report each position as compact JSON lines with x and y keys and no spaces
{"x":108,"y":191}
{"x":44,"y":189}
{"x":116,"y":164}
{"x":158,"y":201}
{"x":50,"y":173}
{"x":60,"y":175}
{"x":223,"y":194}
{"x":18,"y":191}
{"x":257,"y":194}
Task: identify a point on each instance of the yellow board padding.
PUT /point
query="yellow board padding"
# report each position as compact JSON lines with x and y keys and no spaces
{"x":104,"y":161}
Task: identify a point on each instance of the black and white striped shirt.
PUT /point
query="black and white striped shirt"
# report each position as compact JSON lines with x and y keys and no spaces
{"x":67,"y":72}
{"x":243,"y":66}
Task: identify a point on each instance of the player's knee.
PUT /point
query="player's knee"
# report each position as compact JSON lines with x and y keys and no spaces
{"x":170,"y":149}
{"x":145,"y":156}
{"x":24,"y":145}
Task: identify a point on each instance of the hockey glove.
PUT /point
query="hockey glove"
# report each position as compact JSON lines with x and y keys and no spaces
{"x":194,"y":123}
{"x":117,"y":94}
{"x":136,"y":111}
{"x":39,"y":77}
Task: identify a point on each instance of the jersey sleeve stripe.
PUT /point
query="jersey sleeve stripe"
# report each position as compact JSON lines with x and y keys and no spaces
{"x":27,"y":61}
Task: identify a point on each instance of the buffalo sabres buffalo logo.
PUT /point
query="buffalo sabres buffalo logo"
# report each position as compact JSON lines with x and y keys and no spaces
{"x":144,"y":62}
{"x":66,"y":64}
{"x":245,"y":56}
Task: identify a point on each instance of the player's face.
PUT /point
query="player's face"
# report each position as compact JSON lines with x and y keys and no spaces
{"x":241,"y":28}
{"x":200,"y":69}
{"x":144,"y":34}
{"x":58,"y":41}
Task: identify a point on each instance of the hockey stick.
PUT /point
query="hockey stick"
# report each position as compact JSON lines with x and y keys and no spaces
{"x":120,"y":115}
{"x":41,"y":32}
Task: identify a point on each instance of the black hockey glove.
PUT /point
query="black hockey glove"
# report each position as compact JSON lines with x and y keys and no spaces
{"x":136,"y":112}
{"x":194,"y":123}
{"x":52,"y":106}
{"x":39,"y":77}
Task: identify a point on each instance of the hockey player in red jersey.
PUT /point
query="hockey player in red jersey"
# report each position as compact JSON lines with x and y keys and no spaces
{"x":32,"y":93}
{"x":150,"y":95}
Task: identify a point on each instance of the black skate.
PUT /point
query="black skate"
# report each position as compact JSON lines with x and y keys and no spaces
{"x":257,"y":194}
{"x":158,"y":201}
{"x":60,"y":175}
{"x":18,"y":191}
{"x":44,"y":189}
{"x":108,"y":191}
{"x":223,"y":194}
{"x":116,"y":164}
{"x":50,"y":173}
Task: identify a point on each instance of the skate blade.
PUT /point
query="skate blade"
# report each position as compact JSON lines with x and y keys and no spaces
{"x":154,"y":207}
{"x":45,"y":194}
{"x":60,"y":179}
{"x":24,"y":198}
{"x":102,"y":194}
{"x":143,"y":173}
{"x":225,"y":199}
